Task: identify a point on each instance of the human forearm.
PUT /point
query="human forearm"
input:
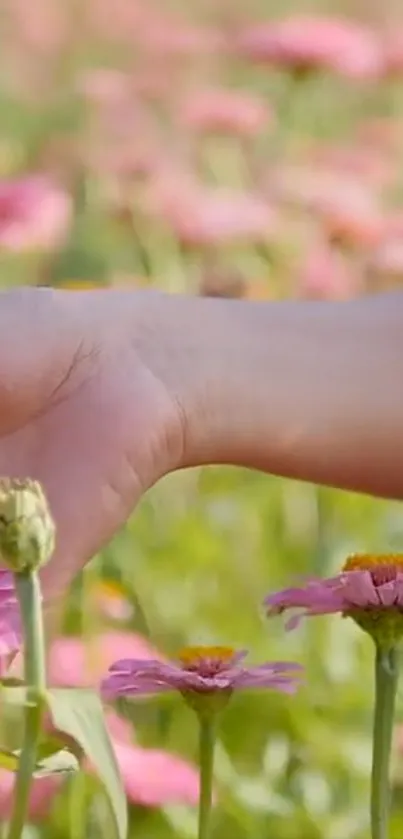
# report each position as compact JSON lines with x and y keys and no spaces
{"x":312,"y":391}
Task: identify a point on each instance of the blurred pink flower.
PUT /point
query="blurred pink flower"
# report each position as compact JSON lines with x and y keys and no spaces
{"x":347,"y":207}
{"x":115,"y":20}
{"x":226,"y":112}
{"x":154,"y":777}
{"x":35,"y":214}
{"x":167,"y":36}
{"x":313,"y":186}
{"x":42,"y":794}
{"x":10,"y":626}
{"x":394,"y":225}
{"x":151,"y":777}
{"x":366,"y":164}
{"x":103,"y":85}
{"x":383,"y":134}
{"x":42,"y":33}
{"x":393,"y":52}
{"x":326,"y":274}
{"x":121,"y":137}
{"x":73,"y":662}
{"x":386,"y":261}
{"x":368,"y":583}
{"x":201,"y":670}
{"x":308,"y":42}
{"x":200,"y":216}
{"x":354,"y":224}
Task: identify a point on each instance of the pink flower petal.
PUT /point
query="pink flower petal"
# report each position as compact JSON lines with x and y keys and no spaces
{"x":399,"y":590}
{"x":41,"y":798}
{"x":153,"y":777}
{"x":34,"y":214}
{"x":359,"y":590}
{"x":387,"y":593}
{"x":225,"y":111}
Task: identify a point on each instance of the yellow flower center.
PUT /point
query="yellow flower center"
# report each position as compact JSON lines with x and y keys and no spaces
{"x":192,"y":657}
{"x":367,"y":562}
{"x":206,"y":661}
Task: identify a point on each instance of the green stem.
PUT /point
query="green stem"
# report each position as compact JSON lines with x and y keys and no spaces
{"x":29,"y":596}
{"x":386,"y":678}
{"x":206,"y":757}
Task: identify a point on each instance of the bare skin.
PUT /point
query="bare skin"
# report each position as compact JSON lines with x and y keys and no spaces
{"x":102,"y":393}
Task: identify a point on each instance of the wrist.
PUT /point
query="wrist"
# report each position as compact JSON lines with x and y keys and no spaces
{"x":262,"y":385}
{"x":214,"y":358}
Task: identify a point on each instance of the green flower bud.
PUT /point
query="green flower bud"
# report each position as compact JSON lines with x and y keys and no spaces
{"x":27,"y":530}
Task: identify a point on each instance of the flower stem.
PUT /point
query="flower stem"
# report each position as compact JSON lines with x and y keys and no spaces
{"x":386,"y":678}
{"x":206,"y":757}
{"x":29,"y":596}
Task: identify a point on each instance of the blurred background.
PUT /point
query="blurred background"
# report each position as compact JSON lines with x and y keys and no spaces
{"x":235,"y":149}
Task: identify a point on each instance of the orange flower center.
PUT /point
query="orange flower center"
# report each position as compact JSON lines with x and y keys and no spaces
{"x":206,"y":660}
{"x":383,"y":567}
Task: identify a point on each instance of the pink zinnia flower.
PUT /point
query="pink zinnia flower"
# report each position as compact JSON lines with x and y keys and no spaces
{"x":361,"y":160}
{"x":103,"y":86}
{"x":225,"y":112}
{"x":348,"y":207}
{"x":201,"y":670}
{"x":326,"y":274}
{"x":201,"y":216}
{"x":369,"y":589}
{"x":388,"y":260}
{"x":35,"y":214}
{"x":393,"y":53}
{"x":171,"y":37}
{"x":317,"y":187}
{"x":306,"y":42}
{"x":151,"y":777}
{"x":10,"y":625}
{"x":154,"y":777}
{"x":41,"y":797}
{"x":385,"y":264}
{"x":354,"y":223}
{"x":383,"y":134}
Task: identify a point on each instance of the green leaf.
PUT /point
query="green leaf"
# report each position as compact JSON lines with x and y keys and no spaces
{"x":52,"y":759}
{"x":62,"y":762}
{"x":8,"y":760}
{"x":79,"y":714}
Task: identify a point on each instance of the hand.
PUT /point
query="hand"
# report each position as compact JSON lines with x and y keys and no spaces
{"x":82,"y":413}
{"x":102,"y":393}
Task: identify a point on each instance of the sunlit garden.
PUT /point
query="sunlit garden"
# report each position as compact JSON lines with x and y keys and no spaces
{"x":230,"y":150}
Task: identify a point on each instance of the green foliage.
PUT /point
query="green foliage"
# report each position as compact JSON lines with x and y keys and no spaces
{"x":199,"y":555}
{"x":79,"y":714}
{"x":52,"y":760}
{"x":78,"y":717}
